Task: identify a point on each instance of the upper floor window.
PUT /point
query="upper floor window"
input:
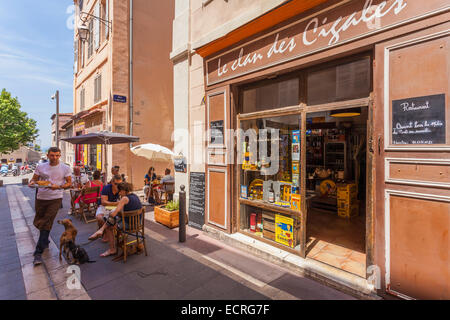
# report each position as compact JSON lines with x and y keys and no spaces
{"x":82,"y":99}
{"x":97,"y":88}
{"x":105,"y":16}
{"x":90,"y":39}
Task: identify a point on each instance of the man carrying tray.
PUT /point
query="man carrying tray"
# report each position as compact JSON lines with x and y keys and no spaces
{"x":51,"y":177}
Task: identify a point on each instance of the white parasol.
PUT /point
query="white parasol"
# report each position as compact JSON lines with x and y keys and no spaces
{"x":153,"y":152}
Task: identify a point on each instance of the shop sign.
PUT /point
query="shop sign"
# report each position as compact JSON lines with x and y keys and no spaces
{"x":217,"y":132}
{"x":337,"y":24}
{"x":419,"y":120}
{"x":79,"y":126}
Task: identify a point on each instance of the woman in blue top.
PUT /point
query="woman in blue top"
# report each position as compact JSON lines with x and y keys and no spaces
{"x":128,"y":202}
{"x":149,"y":177}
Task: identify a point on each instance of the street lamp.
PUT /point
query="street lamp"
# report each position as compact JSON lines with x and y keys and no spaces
{"x":83,"y":30}
{"x":56,"y":97}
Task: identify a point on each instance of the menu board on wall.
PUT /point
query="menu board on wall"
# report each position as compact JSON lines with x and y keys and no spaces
{"x":419,"y":120}
{"x":217,"y":132}
{"x":197,"y":200}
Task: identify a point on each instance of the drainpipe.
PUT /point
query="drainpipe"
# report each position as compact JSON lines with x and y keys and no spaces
{"x":131,"y":83}
{"x":131,"y":68}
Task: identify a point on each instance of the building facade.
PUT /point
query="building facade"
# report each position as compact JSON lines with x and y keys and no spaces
{"x":65,"y":119}
{"x":24,"y":154}
{"x":318,"y":134}
{"x":123,"y":81}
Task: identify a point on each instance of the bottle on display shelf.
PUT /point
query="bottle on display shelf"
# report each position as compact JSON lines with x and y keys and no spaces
{"x":271,"y":194}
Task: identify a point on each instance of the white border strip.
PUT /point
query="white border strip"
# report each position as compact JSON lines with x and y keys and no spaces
{"x":387,"y":114}
{"x":226,"y":196}
{"x":388,"y":179}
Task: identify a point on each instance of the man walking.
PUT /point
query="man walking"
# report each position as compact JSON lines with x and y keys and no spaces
{"x":49,"y":200}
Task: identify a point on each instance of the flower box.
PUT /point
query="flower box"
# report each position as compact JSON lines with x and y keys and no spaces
{"x":167,"y":218}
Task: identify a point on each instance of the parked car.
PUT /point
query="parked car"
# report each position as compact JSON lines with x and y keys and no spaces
{"x":4,"y":170}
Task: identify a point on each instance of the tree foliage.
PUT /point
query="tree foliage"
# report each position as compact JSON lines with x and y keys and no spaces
{"x":16,"y":129}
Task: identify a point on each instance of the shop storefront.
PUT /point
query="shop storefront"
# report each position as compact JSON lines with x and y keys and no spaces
{"x":329,"y":138}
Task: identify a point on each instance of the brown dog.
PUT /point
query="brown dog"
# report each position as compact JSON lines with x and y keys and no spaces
{"x":68,"y":235}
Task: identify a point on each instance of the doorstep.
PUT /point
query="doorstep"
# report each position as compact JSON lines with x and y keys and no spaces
{"x":316,"y":270}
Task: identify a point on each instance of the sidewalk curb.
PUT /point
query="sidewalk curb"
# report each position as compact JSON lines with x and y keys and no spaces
{"x":323,"y":273}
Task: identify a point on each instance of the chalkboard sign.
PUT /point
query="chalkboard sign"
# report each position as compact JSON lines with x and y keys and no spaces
{"x":197,"y":200}
{"x":419,"y":120}
{"x":216,"y":129}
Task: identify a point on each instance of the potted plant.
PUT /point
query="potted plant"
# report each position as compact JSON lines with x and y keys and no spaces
{"x":168,"y":214}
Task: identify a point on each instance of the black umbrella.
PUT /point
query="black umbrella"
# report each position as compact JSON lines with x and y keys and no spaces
{"x":102,"y":137}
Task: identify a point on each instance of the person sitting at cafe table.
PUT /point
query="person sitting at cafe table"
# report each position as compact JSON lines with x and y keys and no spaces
{"x":108,"y":197}
{"x":90,"y":197}
{"x":115,"y":171}
{"x":79,"y":179}
{"x":148,"y":179}
{"x":167,"y":178}
{"x":128,"y":202}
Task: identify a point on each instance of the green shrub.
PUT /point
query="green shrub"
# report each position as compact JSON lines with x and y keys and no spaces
{"x":172,"y":205}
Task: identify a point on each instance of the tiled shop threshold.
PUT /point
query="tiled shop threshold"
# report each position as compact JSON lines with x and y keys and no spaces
{"x":326,"y":274}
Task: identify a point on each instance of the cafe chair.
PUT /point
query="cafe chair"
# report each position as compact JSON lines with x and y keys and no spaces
{"x":134,"y":228}
{"x":89,"y":206}
{"x":73,"y":196}
{"x":167,"y":191}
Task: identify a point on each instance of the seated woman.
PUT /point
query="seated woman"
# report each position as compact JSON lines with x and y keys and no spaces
{"x":128,"y":202}
{"x":109,"y":198}
{"x":149,"y":177}
{"x":91,"y":197}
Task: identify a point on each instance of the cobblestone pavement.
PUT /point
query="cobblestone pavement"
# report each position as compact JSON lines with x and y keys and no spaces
{"x":202,"y":268}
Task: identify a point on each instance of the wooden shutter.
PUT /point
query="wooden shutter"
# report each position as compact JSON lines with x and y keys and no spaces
{"x":107,"y":19}
{"x":75,"y":58}
{"x":97,"y":25}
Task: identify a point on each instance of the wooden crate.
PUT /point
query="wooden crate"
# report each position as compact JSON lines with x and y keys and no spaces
{"x":346,"y":205}
{"x":269,"y":234}
{"x":167,"y":218}
{"x":269,"y":225}
{"x":349,"y":212}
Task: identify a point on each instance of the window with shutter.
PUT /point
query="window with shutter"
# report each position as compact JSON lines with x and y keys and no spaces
{"x":82,"y":99}
{"x":91,"y":36}
{"x":75,"y":58}
{"x":81,"y":53}
{"x":97,"y":88}
{"x":107,"y":19}
{"x":97,"y":25}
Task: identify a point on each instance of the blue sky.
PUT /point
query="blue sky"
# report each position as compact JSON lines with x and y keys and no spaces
{"x":36,"y":57}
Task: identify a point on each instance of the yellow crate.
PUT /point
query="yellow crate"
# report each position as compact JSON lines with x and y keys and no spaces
{"x":345,"y":204}
{"x":349,"y":212}
{"x":344,"y":195}
{"x":347,"y":187}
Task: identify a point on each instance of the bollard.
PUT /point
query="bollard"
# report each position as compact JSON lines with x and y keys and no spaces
{"x":1,"y":183}
{"x":182,"y":215}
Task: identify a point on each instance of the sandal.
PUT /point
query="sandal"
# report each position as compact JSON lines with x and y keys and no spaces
{"x":95,"y":236}
{"x":108,"y":253}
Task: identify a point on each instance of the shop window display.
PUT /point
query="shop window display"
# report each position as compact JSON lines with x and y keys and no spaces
{"x":270,"y":169}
